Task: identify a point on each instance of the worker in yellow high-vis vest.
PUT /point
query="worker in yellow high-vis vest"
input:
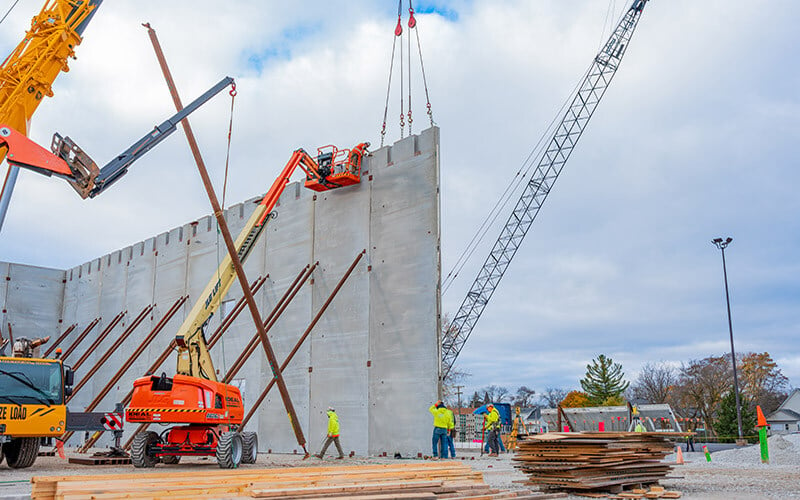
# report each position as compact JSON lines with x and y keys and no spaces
{"x":441,"y":423}
{"x":333,"y":434}
{"x":492,"y":427}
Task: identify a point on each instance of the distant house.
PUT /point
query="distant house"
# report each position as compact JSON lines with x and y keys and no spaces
{"x":787,"y":417}
{"x":655,"y":417}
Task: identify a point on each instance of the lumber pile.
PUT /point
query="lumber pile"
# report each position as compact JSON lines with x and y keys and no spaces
{"x":635,"y":493}
{"x":405,"y":480}
{"x":587,"y":461}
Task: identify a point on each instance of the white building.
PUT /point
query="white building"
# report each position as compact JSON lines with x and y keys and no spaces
{"x":787,"y":417}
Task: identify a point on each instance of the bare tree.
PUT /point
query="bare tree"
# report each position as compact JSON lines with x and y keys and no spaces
{"x":494,"y":394}
{"x":453,"y":379}
{"x":501,"y":394}
{"x":703,"y":385}
{"x":524,"y":397}
{"x":656,"y":383}
{"x":552,"y":396}
{"x":762,"y":380}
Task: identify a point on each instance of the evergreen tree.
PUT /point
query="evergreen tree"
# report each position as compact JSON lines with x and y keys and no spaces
{"x":604,"y":379}
{"x":727,"y":426}
{"x":475,"y":401}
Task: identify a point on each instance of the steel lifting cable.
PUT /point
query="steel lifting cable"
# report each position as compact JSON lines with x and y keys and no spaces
{"x":9,"y":11}
{"x":397,"y":32}
{"x":610,"y":11}
{"x":402,"y":81}
{"x":405,"y":114}
{"x":232,"y":93}
{"x":514,"y":185}
{"x":412,"y":24}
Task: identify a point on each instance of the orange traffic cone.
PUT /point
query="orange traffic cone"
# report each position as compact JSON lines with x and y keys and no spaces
{"x":679,"y":458}
{"x":762,"y":422}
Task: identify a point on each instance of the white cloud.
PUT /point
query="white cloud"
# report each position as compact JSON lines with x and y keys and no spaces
{"x":696,"y":138}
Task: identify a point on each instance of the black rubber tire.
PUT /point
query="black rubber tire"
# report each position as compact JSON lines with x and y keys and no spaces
{"x":249,"y":447}
{"x":171,"y":459}
{"x":140,"y":450}
{"x":21,"y":452}
{"x":229,"y":450}
{"x":2,"y":454}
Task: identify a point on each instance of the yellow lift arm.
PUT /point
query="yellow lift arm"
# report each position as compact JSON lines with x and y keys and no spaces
{"x":333,"y":168}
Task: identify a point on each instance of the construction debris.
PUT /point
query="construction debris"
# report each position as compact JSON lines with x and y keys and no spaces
{"x":588,"y":461}
{"x":452,"y":480}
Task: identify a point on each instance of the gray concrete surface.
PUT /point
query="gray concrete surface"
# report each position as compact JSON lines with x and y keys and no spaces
{"x":374,"y":355}
{"x":696,"y":480}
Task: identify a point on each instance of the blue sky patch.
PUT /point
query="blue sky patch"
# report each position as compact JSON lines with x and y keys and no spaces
{"x":438,"y":8}
{"x":281,"y":49}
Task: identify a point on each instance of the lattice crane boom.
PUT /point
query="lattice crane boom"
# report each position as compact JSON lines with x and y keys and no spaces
{"x":591,"y":91}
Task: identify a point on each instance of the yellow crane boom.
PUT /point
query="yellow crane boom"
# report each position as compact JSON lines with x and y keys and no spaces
{"x":28,"y":73}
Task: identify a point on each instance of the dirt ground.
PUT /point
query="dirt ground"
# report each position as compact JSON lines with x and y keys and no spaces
{"x":696,"y":479}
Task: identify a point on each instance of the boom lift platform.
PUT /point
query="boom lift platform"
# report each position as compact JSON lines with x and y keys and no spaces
{"x":208,"y":413}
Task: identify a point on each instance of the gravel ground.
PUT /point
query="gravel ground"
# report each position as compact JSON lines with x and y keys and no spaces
{"x":736,"y":474}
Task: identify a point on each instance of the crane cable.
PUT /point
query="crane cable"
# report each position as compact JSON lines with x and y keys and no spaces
{"x":412,"y":24}
{"x":402,"y":81}
{"x":513,"y":186}
{"x":411,"y":21}
{"x":9,"y":11}
{"x":397,"y":32}
{"x":518,"y":178}
{"x":232,"y":93}
{"x":405,"y":116}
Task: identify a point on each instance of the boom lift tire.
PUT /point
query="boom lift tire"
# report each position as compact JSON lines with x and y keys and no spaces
{"x":249,"y":447}
{"x":21,"y":452}
{"x":2,"y":455}
{"x":229,"y":450}
{"x":140,"y":448}
{"x":171,"y":459}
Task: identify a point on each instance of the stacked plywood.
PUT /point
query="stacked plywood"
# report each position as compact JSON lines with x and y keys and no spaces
{"x":595,"y":460}
{"x":452,"y":480}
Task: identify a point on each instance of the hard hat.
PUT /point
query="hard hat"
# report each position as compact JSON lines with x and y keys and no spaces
{"x":330,"y":408}
{"x":490,"y":405}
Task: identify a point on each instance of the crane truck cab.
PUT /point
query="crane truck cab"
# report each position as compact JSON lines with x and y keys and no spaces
{"x":32,"y":403}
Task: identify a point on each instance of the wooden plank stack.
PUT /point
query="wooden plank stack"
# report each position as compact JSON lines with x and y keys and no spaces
{"x":404,"y":480}
{"x":587,"y":461}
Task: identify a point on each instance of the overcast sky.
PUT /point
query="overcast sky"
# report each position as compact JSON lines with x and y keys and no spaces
{"x":695,"y":139}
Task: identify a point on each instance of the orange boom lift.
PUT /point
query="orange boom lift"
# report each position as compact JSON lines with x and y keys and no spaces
{"x":208,"y":413}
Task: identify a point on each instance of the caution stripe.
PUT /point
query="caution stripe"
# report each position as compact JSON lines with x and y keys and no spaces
{"x":167,"y":410}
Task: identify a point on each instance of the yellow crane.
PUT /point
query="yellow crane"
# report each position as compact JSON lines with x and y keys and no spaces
{"x":28,"y":73}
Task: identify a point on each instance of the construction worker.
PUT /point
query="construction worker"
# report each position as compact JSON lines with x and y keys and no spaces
{"x":441,"y":422}
{"x":492,"y":427}
{"x":333,"y":435}
{"x":451,"y":435}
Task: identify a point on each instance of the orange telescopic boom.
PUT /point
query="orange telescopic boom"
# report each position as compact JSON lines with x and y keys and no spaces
{"x":208,"y":413}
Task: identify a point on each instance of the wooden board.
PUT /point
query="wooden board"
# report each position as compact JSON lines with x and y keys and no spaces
{"x":451,"y":480}
{"x":587,"y":461}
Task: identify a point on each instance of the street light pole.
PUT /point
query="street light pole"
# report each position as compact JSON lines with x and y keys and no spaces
{"x":722,"y":244}
{"x":462,"y":430}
